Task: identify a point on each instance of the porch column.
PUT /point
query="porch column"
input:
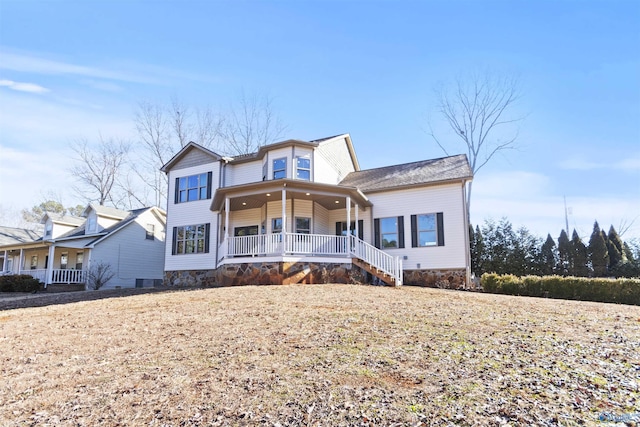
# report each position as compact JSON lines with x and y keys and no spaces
{"x":21,"y":261}
{"x":284,"y":220}
{"x":226,"y":217}
{"x":4,"y":261}
{"x":49,"y":279}
{"x":348,"y":215}
{"x":357,"y":228}
{"x":86,"y":266}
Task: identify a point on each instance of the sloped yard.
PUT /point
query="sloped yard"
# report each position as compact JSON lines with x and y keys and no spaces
{"x":320,"y":355}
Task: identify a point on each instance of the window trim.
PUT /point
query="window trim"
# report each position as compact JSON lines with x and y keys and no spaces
{"x":150,"y":232}
{"x":79,"y":255}
{"x":274,"y":170}
{"x":184,"y":240}
{"x":415,"y":232}
{"x":298,"y":168}
{"x":207,"y":188}
{"x":308,"y":231}
{"x":377,"y":238}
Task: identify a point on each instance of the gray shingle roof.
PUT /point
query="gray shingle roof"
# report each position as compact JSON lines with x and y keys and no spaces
{"x":409,"y":174}
{"x":10,"y":235}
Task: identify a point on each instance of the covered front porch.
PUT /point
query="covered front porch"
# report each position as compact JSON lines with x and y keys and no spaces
{"x":290,"y":219}
{"x":49,"y":264}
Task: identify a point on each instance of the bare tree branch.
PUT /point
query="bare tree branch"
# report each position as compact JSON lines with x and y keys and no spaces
{"x":476,"y":108}
{"x":97,"y":167}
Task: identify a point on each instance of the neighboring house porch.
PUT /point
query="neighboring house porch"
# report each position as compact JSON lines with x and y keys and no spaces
{"x":49,"y":264}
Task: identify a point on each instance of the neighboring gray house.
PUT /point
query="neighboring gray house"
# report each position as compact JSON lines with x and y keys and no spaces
{"x":130,"y":242}
{"x":304,"y":212}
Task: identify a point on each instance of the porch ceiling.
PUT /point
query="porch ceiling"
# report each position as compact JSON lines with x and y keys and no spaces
{"x":253,"y":196}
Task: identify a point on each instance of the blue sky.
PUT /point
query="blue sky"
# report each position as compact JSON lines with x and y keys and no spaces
{"x":74,"y":69}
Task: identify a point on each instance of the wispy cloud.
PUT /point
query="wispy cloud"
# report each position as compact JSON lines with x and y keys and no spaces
{"x":23,"y":87}
{"x":129,"y":72}
{"x":631,"y":164}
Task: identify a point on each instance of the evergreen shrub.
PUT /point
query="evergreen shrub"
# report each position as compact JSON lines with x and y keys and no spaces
{"x":622,"y":291}
{"x":19,"y":283}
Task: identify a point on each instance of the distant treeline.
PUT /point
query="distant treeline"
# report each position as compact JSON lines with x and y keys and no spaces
{"x":498,"y":248}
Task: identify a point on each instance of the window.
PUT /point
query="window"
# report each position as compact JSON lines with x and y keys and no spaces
{"x":91,"y":224}
{"x":265,"y":169}
{"x":280,"y":168}
{"x":276,"y":225}
{"x":191,"y":239}
{"x":193,"y":187}
{"x":79,"y":260}
{"x":341,"y":228}
{"x":251,"y":230}
{"x":48,"y":229}
{"x":389,"y":232}
{"x":151,"y":232}
{"x":303,"y":168}
{"x":303,"y":225}
{"x":34,"y":262}
{"x":64,"y":260}
{"x":427,"y":230}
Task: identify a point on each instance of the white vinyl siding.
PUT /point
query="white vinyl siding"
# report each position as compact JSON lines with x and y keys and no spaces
{"x":243,"y":173}
{"x":443,"y":198}
{"x":196,"y":212}
{"x":332,"y":161}
{"x":321,"y":223}
{"x":244,"y":218}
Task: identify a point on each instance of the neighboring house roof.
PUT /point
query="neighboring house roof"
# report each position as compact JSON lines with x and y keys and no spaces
{"x":62,"y":219}
{"x":11,"y":236}
{"x":106,"y":211}
{"x":410,"y":174}
{"x":133,"y":214}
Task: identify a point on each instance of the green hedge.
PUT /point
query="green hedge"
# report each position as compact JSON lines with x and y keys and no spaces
{"x":19,"y":283}
{"x":623,"y":291}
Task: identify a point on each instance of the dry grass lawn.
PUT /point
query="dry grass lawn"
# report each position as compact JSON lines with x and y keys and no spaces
{"x":325,"y":355}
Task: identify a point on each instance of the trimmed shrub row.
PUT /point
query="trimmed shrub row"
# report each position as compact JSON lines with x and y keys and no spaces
{"x":622,"y":291}
{"x":19,"y":283}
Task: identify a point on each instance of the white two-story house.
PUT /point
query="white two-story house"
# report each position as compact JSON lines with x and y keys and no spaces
{"x":304,"y":212}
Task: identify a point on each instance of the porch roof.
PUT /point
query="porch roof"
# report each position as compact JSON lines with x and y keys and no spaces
{"x":254,"y":195}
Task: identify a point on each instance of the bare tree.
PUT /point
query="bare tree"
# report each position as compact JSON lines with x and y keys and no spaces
{"x":251,"y":124}
{"x":98,"y":166}
{"x":99,"y":275}
{"x":164,"y":129}
{"x":477,"y":109}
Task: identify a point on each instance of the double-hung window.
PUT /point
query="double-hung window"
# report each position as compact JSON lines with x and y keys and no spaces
{"x":303,"y":225}
{"x":427,"y":230}
{"x":193,"y":187}
{"x":280,"y":168}
{"x":79,"y":260}
{"x":150,"y":232}
{"x":191,"y":239}
{"x":389,"y":232}
{"x":34,"y":262}
{"x":303,"y":168}
{"x":276,"y":225}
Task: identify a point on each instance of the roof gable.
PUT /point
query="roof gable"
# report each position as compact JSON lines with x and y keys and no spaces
{"x":105,"y":211}
{"x":411,"y":174}
{"x":62,"y":219}
{"x":191,"y":154}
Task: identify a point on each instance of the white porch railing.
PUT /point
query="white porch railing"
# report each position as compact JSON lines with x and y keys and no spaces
{"x":58,"y":275}
{"x":311,"y":245}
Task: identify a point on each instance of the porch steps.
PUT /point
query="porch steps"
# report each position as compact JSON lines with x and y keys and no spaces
{"x":389,"y":280}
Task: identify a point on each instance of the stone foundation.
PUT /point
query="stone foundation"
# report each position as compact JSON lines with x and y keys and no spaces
{"x":265,"y":273}
{"x":443,"y":279}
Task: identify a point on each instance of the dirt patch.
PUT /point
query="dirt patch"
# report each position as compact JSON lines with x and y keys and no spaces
{"x":319,"y":355}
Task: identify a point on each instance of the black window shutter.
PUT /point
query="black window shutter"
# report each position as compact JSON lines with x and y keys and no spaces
{"x":376,"y":233}
{"x":177,"y":192}
{"x":175,"y":237}
{"x":401,"y":232}
{"x":209,"y":185}
{"x":338,"y":228}
{"x":361,"y":229}
{"x":207,"y":229}
{"x":440,"y":229}
{"x":414,"y":231}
